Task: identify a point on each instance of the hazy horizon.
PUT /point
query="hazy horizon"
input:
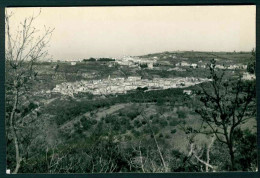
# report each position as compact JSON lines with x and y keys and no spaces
{"x":84,"y":32}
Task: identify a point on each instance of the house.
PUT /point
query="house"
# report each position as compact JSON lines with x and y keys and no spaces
{"x":188,"y":92}
{"x":150,"y":65}
{"x":220,"y":66}
{"x":185,"y":63}
{"x":203,"y":66}
{"x":243,"y":66}
{"x":167,"y":83}
{"x":194,"y":65}
{"x":73,"y":63}
{"x":181,"y":84}
{"x":178,"y":64}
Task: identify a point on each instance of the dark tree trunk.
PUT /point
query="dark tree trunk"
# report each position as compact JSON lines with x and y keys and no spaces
{"x":232,"y":157}
{"x":14,"y":136}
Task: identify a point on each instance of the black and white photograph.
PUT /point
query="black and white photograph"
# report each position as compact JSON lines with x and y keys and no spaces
{"x":130,"y":89}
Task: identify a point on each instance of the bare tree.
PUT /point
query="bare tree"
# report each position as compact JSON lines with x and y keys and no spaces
{"x":24,"y":46}
{"x":197,"y":150}
{"x":141,"y":158}
{"x":227,"y":103}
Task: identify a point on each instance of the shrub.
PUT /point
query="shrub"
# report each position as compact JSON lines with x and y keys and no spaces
{"x":181,"y":114}
{"x":124,"y":121}
{"x":132,"y":114}
{"x":107,"y":120}
{"x":123,"y":130}
{"x":120,"y":113}
{"x":174,"y":123}
{"x":163,"y":123}
{"x":87,"y":123}
{"x":167,"y":136}
{"x":136,"y":133}
{"x":156,"y":120}
{"x":173,"y":131}
{"x":146,"y":130}
{"x":143,"y":65}
{"x":116,"y":126}
{"x":246,"y":147}
{"x":129,"y":126}
{"x":155,"y":129}
{"x":128,"y":137}
{"x":137,"y":123}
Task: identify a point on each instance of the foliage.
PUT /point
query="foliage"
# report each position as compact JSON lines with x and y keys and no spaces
{"x":226,"y":104}
{"x":143,"y":65}
{"x":173,"y":131}
{"x":181,"y":114}
{"x":106,"y":59}
{"x":246,"y":150}
{"x":90,"y":59}
{"x":251,"y":66}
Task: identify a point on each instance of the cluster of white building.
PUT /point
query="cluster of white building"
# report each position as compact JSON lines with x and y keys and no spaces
{"x":122,"y":85}
{"x":176,"y":69}
{"x":194,"y":65}
{"x":186,"y":64}
{"x":237,"y":67}
{"x":248,"y":76}
{"x":136,"y":61}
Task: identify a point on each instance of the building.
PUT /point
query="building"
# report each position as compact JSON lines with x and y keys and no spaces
{"x":73,"y":63}
{"x":188,"y":92}
{"x":150,"y":65}
{"x":233,"y":67}
{"x":185,"y":64}
{"x":243,"y":66}
{"x":178,"y":64}
{"x":134,"y":78}
{"x":248,"y":76}
{"x":220,"y":66}
{"x":194,"y":65}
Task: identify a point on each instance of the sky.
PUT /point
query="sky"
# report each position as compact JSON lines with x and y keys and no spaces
{"x":84,"y":32}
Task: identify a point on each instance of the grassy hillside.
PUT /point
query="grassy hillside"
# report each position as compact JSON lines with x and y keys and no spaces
{"x":115,"y":133}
